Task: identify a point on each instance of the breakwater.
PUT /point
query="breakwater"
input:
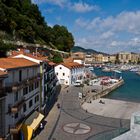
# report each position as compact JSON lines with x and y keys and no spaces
{"x":108,"y":90}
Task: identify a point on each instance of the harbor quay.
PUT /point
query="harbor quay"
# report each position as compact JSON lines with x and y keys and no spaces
{"x":99,"y":89}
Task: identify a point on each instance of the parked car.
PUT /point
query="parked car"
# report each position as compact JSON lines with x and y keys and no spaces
{"x":78,"y":83}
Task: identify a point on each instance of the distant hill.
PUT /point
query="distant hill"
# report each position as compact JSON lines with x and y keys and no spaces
{"x":81,"y":49}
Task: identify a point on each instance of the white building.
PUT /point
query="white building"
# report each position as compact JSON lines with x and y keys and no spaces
{"x":22,"y":87}
{"x":80,"y":61}
{"x":42,"y":62}
{"x":68,"y":73}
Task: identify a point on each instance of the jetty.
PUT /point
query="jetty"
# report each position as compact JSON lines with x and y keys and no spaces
{"x":108,"y":90}
{"x":101,"y":91}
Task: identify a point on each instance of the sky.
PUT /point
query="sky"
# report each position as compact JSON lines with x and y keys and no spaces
{"x":109,"y":26}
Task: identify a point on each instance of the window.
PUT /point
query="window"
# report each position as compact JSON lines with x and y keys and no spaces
{"x":60,"y":67}
{"x":24,"y":107}
{"x":20,"y":75}
{"x":57,"y":73}
{"x":25,"y":91}
{"x":16,"y":96}
{"x":36,"y":85}
{"x":63,"y":74}
{"x":31,"y":87}
{"x":37,"y":98}
{"x":27,"y":73}
{"x":16,"y":115}
{"x":30,"y":103}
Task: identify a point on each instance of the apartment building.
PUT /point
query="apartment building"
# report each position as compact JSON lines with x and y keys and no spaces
{"x":42,"y":62}
{"x":135,"y":57}
{"x":49,"y":80}
{"x":128,"y":57}
{"x":88,"y":59}
{"x":112,"y":58}
{"x":78,"y":55}
{"x":98,"y":58}
{"x":3,"y":75}
{"x":105,"y":58}
{"x":69,"y":73}
{"x":124,"y":57}
{"x":22,"y":88}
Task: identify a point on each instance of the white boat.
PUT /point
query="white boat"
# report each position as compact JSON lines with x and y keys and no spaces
{"x":91,"y":68}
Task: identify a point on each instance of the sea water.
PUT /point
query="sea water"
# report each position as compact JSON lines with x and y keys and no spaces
{"x":130,"y":91}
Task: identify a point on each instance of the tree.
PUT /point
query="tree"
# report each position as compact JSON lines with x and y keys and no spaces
{"x":57,"y":58}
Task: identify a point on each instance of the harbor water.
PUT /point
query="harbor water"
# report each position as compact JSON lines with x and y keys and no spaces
{"x":130,"y":91}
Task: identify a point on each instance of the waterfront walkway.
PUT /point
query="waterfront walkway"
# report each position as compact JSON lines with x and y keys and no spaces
{"x":75,"y":123}
{"x":112,"y":108}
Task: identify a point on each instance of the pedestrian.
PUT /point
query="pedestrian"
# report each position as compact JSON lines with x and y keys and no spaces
{"x":41,"y":126}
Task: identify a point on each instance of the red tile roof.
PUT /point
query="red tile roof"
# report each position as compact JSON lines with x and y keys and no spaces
{"x":22,"y":51}
{"x":72,"y":65}
{"x":13,"y":63}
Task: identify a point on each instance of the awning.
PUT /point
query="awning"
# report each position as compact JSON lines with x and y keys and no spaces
{"x":31,"y":124}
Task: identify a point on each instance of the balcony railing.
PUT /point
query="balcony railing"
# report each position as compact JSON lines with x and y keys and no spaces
{"x":18,"y":105}
{"x":18,"y":85}
{"x":2,"y":92}
{"x":14,"y":129}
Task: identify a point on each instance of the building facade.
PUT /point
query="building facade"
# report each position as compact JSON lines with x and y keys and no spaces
{"x":69,"y":73}
{"x":3,"y":75}
{"x":22,"y":87}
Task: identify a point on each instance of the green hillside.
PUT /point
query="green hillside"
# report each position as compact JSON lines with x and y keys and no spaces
{"x":81,"y":49}
{"x":22,"y":20}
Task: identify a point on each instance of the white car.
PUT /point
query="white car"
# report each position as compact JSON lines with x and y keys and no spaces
{"x":78,"y":83}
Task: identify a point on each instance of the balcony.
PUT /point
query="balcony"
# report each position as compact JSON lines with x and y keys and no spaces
{"x":2,"y":92}
{"x":17,"y":106}
{"x":13,"y":87}
{"x":14,"y":129}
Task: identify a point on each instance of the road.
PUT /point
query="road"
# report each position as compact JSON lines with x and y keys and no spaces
{"x":75,"y":123}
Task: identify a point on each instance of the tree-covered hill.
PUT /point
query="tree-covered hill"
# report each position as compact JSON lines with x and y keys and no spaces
{"x":22,"y":20}
{"x":81,"y":49}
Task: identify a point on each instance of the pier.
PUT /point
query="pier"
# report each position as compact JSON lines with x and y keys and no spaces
{"x":102,"y":91}
{"x":108,"y":90}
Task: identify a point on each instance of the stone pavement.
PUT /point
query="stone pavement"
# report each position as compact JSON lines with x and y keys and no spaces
{"x":77,"y":124}
{"x":71,"y":122}
{"x":51,"y":122}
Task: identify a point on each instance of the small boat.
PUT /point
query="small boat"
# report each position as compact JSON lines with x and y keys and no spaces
{"x":91,"y":68}
{"x":138,"y":72}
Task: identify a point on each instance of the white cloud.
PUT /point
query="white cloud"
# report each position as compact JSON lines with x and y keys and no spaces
{"x":81,"y":22}
{"x":60,"y":3}
{"x":111,"y":34}
{"x":82,"y":7}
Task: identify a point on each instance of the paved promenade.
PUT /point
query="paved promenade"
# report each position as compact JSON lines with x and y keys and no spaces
{"x":77,"y":124}
{"x":112,"y":108}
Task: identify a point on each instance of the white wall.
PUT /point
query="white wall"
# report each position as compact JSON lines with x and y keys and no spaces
{"x":71,"y":75}
{"x":13,"y":76}
{"x":59,"y":73}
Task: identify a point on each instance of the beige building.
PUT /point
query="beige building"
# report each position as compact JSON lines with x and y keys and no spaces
{"x":78,"y":55}
{"x":126,"y":57}
{"x":105,"y":58}
{"x":112,"y":58}
{"x":134,"y":57}
{"x":98,"y":58}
